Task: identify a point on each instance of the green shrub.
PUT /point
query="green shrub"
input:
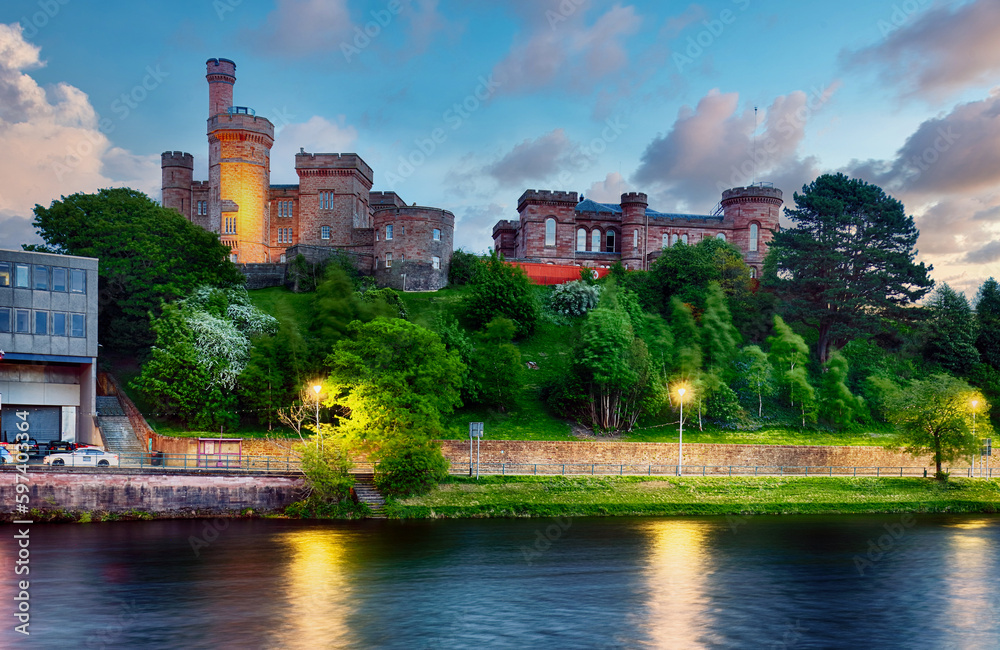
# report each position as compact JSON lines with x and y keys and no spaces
{"x":326,"y":468}
{"x":408,"y":469}
{"x":574,"y":298}
{"x":462,"y":267}
{"x":501,"y":289}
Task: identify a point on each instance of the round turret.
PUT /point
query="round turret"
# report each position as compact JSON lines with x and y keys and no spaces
{"x":177,"y":172}
{"x":634,"y":229}
{"x":752,"y":212}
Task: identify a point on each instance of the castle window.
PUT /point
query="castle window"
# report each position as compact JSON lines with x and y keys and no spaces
{"x":58,"y":279}
{"x":78,"y":281}
{"x":665,"y":241}
{"x":673,"y":240}
{"x":402,"y":230}
{"x":754,"y":232}
{"x":202,"y":208}
{"x":288,"y":235}
{"x":388,"y":260}
{"x":635,"y":238}
{"x":21,"y":321}
{"x":595,"y":240}
{"x":324,"y":232}
{"x":4,"y":274}
{"x":611,"y":243}
{"x":41,"y":278}
{"x":290,"y":205}
{"x":282,"y":258}
{"x":41,"y":322}
{"x":388,"y":232}
{"x":58,"y":324}
{"x":78,"y":325}
{"x":21,"y":276}
{"x":721,"y":236}
{"x":684,"y":238}
{"x":753,"y":272}
{"x":4,"y":319}
{"x":232,"y":258}
{"x":581,"y":239}
{"x":325,"y":200}
{"x":550,"y":232}
{"x":437,"y":234}
{"x":402,"y":257}
{"x":435,"y":262}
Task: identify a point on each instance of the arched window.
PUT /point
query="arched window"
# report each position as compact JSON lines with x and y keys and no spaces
{"x":754,"y":232}
{"x":674,"y":239}
{"x":635,"y":238}
{"x":721,"y":236}
{"x":595,"y":240}
{"x":665,"y":242}
{"x":581,"y":239}
{"x":610,"y":242}
{"x":684,"y":238}
{"x":550,"y":232}
{"x":753,"y":272}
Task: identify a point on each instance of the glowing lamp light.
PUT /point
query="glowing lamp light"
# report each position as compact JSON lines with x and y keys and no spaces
{"x":317,"y":388}
{"x":975,"y":403}
{"x":681,"y":391}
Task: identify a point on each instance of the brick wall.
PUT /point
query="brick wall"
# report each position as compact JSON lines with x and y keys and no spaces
{"x":412,"y":247}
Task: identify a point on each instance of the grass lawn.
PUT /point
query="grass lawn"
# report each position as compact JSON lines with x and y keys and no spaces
{"x":530,"y":496}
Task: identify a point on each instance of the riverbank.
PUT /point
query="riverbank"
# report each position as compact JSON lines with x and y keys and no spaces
{"x":530,"y":496}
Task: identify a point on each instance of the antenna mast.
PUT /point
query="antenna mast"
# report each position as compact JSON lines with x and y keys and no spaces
{"x":754,"y":146}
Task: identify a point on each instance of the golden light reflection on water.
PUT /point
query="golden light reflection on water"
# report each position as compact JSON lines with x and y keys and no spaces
{"x":677,"y":569}
{"x":318,"y":593}
{"x":969,"y":556}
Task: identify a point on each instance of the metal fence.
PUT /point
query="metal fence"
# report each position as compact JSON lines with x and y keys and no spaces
{"x":612,"y":469}
{"x":205,"y":462}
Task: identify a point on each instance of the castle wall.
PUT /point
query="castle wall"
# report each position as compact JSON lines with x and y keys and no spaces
{"x":349,"y":179}
{"x":413,"y":250}
{"x":535,"y":208}
{"x":177,"y":169}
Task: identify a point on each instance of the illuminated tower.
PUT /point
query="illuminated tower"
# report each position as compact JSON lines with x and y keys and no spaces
{"x":239,"y":168}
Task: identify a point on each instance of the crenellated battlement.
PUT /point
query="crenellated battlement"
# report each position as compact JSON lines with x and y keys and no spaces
{"x":176,"y":159}
{"x":634,"y":198}
{"x":385,"y":200}
{"x":546,"y":196}
{"x":757,"y":193}
{"x":310,"y":163}
{"x":241,"y":121}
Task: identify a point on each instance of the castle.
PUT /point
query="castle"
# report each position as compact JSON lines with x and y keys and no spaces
{"x":332,"y":207}
{"x":559,"y":228}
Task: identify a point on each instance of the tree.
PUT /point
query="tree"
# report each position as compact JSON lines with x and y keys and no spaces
{"x":838,"y":402}
{"x":495,"y":366}
{"x":149,"y":255}
{"x":952,"y":342}
{"x":756,"y":372}
{"x":719,"y":338}
{"x":501,"y":289}
{"x":687,"y":271}
{"x":935,"y":416}
{"x":847,"y":266}
{"x":789,"y":355}
{"x":462,"y":267}
{"x":988,"y":322}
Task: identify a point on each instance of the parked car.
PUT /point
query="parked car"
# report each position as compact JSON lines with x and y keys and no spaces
{"x":60,"y":446}
{"x":85,"y":457}
{"x":5,"y":456}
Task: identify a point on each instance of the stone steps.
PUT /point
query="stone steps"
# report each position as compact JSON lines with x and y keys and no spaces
{"x":366,"y":492}
{"x":119,"y":436}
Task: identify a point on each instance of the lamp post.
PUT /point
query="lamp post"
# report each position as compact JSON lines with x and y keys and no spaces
{"x":680,"y":443}
{"x":975,"y":403}
{"x":317,"y":388}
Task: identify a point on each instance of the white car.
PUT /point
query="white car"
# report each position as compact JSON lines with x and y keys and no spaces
{"x":85,"y":457}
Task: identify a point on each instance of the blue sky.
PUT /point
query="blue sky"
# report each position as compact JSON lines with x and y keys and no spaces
{"x":597,"y":97}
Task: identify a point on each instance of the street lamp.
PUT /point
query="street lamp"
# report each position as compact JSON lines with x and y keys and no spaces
{"x":318,"y":388}
{"x":975,"y":403}
{"x":680,"y":444}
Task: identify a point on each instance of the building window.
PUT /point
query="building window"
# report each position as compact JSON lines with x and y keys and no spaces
{"x":635,"y":238}
{"x":388,"y":260}
{"x":324,"y":232}
{"x":721,"y":236}
{"x":290,"y":209}
{"x":21,"y":276}
{"x":684,"y":238}
{"x":58,"y":324}
{"x":611,"y":243}
{"x":282,"y":258}
{"x":754,"y":231}
{"x":4,"y":319}
{"x":326,"y":200}
{"x":4,"y":274}
{"x":550,"y":232}
{"x":202,"y":208}
{"x":78,"y":281}
{"x":41,"y":278}
{"x":78,"y":325}
{"x":595,"y":240}
{"x":753,"y":272}
{"x":288,"y":236}
{"x":674,"y":239}
{"x":437,"y":234}
{"x":581,"y":239}
{"x":58,"y":279}
{"x":402,"y":257}
{"x":435,"y":262}
{"x":388,"y":232}
{"x":233,"y":258}
{"x":402,"y":230}
{"x":21,"y":321}
{"x":665,"y":241}
{"x":41,"y":322}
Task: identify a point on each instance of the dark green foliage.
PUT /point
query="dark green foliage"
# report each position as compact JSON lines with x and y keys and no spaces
{"x":685,"y":272}
{"x":149,"y":255}
{"x":988,"y":322}
{"x":847,"y":265}
{"x":278,"y":367}
{"x":504,"y":290}
{"x":719,"y":339}
{"x":393,"y":303}
{"x":839,"y":404}
{"x":410,"y":469}
{"x":687,"y":341}
{"x":463,"y":267}
{"x":326,"y":465}
{"x":495,"y":369}
{"x":789,"y":356}
{"x":337,"y":305}
{"x":754,"y":375}
{"x":952,"y":326}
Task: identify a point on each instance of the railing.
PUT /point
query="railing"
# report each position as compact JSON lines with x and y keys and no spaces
{"x":627,"y":469}
{"x":200,"y":462}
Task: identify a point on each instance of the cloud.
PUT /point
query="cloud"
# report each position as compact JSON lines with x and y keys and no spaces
{"x":936,"y":53}
{"x":474,"y":225}
{"x":534,"y":161}
{"x":559,"y":50}
{"x":711,"y":148}
{"x":315,"y":135}
{"x":609,"y":190}
{"x":985,"y":255}
{"x":51,"y":141}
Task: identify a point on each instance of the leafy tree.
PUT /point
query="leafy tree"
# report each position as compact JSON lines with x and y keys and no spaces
{"x":839,"y":404}
{"x":789,"y":356}
{"x":495,"y":366}
{"x":501,"y":289}
{"x":988,"y":322}
{"x":391,"y":382}
{"x":149,"y":255}
{"x":410,"y":469}
{"x":687,"y":271}
{"x":463,"y":267}
{"x":847,"y":265}
{"x":755,"y":371}
{"x":718,"y":336}
{"x":337,"y":305}
{"x":935,"y":416}
{"x":952,"y":342}
{"x":687,"y":341}
{"x":326,"y":468}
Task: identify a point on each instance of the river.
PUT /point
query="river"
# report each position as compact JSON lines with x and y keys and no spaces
{"x":917,"y":581}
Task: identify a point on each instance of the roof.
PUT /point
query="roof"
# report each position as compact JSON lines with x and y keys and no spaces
{"x":613,"y":208}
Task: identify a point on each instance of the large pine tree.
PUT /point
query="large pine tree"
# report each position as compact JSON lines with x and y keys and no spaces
{"x":847,"y":266}
{"x":988,"y":321}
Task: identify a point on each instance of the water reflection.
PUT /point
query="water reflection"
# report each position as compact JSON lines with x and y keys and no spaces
{"x":970,"y":557}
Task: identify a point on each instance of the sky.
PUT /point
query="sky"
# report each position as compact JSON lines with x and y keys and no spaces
{"x":464,"y":105}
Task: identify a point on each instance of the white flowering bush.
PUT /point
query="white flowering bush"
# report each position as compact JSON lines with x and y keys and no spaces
{"x":574,"y":298}
{"x":221,"y":348}
{"x":247,"y":318}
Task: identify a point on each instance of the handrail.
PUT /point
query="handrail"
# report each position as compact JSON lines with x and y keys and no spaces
{"x":635,"y":469}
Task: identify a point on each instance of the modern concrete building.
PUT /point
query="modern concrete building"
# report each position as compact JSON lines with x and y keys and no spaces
{"x":48,"y":338}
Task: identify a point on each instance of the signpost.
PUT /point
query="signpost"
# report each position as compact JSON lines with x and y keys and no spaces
{"x":475,"y":431}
